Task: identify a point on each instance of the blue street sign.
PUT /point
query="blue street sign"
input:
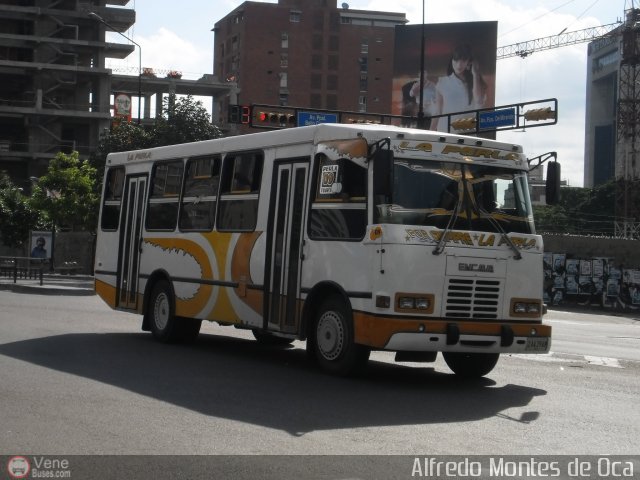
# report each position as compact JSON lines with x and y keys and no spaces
{"x":314,"y":118}
{"x":498,"y":118}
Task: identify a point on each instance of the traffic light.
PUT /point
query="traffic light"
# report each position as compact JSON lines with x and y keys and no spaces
{"x":538,"y":114}
{"x":276,"y":118}
{"x":468,"y":123}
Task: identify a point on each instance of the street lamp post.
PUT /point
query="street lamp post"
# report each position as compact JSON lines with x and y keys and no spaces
{"x":421,"y":119}
{"x":103,"y":21}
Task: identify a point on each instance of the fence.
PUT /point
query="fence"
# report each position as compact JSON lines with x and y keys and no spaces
{"x":23,"y":268}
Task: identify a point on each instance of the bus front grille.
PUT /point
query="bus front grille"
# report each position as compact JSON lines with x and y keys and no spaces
{"x":473,"y":298}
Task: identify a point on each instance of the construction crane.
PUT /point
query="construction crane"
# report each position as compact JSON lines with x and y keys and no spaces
{"x":524,"y":49}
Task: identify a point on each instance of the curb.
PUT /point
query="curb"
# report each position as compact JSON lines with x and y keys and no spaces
{"x":46,"y":290}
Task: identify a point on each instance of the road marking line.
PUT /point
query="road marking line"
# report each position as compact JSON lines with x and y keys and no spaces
{"x":603,"y":361}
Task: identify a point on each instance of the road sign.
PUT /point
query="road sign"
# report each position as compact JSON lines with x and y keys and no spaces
{"x":497,"y":118}
{"x":314,"y":118}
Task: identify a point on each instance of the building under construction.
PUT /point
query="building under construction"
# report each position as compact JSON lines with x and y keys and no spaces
{"x":612,"y":133}
{"x":56,"y":93}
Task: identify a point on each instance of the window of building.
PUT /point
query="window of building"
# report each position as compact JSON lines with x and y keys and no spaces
{"x":364,"y":82}
{"x":333,"y":62}
{"x":345,"y":20}
{"x":284,"y":40}
{"x":332,"y":82}
{"x":315,"y":100}
{"x":316,"y":42}
{"x":112,"y":199}
{"x":362,"y":103}
{"x":339,"y":209}
{"x":316,"y":61}
{"x":162,"y":211}
{"x":318,"y":22}
{"x":283,"y":79}
{"x":316,"y":81}
{"x":334,"y":43}
{"x":364,"y":64}
{"x":364,"y":46}
{"x":238,"y":18}
{"x":332,"y":102}
{"x":234,"y":43}
{"x":198,"y":206}
{"x":239,"y":191}
{"x":294,"y":16}
{"x":284,"y":99}
{"x":284,"y":60}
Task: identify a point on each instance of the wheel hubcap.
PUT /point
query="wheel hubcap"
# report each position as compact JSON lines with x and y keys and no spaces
{"x":330,"y":335}
{"x":161,"y":311}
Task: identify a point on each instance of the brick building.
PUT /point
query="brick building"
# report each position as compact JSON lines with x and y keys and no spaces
{"x":307,"y":53}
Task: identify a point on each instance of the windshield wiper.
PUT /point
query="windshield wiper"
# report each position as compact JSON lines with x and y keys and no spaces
{"x":452,"y":220}
{"x":482,"y":213}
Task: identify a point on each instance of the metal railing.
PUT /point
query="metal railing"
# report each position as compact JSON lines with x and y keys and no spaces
{"x":23,"y":268}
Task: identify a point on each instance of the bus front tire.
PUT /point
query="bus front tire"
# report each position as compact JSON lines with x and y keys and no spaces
{"x":165,"y":326}
{"x":333,"y":339}
{"x":471,"y":365}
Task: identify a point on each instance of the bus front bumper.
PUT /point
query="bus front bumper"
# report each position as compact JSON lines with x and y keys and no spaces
{"x":445,"y":335}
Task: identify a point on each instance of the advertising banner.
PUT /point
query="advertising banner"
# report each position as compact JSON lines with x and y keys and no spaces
{"x":460,"y":69}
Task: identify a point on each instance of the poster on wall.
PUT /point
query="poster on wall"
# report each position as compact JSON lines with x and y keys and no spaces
{"x":572,"y":266}
{"x":457,"y":57}
{"x":559,"y":275}
{"x":598,"y":267}
{"x":40,"y":244}
{"x":634,"y":287}
{"x":585,"y":267}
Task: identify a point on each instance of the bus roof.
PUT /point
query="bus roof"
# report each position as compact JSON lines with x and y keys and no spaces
{"x":310,"y":134}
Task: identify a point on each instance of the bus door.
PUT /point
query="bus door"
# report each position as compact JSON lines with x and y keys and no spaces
{"x":130,"y":241}
{"x":284,"y":241}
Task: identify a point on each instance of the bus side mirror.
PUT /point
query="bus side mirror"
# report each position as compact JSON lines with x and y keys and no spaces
{"x":383,"y":173}
{"x":552,"y":187}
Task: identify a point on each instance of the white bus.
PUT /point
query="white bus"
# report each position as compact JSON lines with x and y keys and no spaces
{"x":351,"y":237}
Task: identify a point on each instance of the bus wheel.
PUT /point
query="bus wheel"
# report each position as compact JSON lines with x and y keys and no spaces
{"x":265,"y":338}
{"x":161,"y":313}
{"x":333,"y":339}
{"x":471,"y":365}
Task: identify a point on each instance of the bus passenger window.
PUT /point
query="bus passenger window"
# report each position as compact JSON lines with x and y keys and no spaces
{"x":162,"y":211}
{"x":239,"y":190}
{"x":114,"y":186}
{"x":199,"y":197}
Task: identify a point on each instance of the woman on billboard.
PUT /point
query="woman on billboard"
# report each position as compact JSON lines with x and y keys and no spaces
{"x":462,"y":89}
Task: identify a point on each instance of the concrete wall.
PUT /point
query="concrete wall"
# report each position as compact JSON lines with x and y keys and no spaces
{"x":624,"y":252}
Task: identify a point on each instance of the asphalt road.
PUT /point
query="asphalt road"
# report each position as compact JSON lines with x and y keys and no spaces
{"x":79,"y":378}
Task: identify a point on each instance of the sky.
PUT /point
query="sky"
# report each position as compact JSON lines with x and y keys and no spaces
{"x":178,"y":36}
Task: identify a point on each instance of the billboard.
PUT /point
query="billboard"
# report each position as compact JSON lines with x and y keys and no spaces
{"x":460,"y":69}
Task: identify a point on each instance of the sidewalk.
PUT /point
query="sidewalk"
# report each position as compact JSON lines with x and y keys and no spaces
{"x":52,"y":284}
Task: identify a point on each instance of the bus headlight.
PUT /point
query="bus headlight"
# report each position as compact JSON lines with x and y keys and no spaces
{"x":414,"y":302}
{"x":406,"y":303}
{"x":526,"y":307}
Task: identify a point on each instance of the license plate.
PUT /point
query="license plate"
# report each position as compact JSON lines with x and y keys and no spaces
{"x":537,"y":344}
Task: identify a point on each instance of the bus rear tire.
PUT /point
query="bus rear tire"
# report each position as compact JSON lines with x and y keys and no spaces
{"x":333,"y":339}
{"x":161,"y":312}
{"x":471,"y":365}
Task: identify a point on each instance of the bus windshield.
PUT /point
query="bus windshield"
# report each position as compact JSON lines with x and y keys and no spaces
{"x":480,"y":197}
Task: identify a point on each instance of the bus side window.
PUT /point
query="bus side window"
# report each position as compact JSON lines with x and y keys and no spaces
{"x":339,"y":210}
{"x":239,"y":191}
{"x":162,"y":211}
{"x":199,"y":197}
{"x":114,"y":185}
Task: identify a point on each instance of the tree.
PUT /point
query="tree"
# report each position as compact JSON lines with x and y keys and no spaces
{"x":67,"y":193}
{"x":182,"y":120}
{"x":17,"y":217}
{"x":580,"y":211}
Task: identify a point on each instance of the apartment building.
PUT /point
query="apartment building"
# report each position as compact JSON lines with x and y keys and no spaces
{"x":308,"y":53}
